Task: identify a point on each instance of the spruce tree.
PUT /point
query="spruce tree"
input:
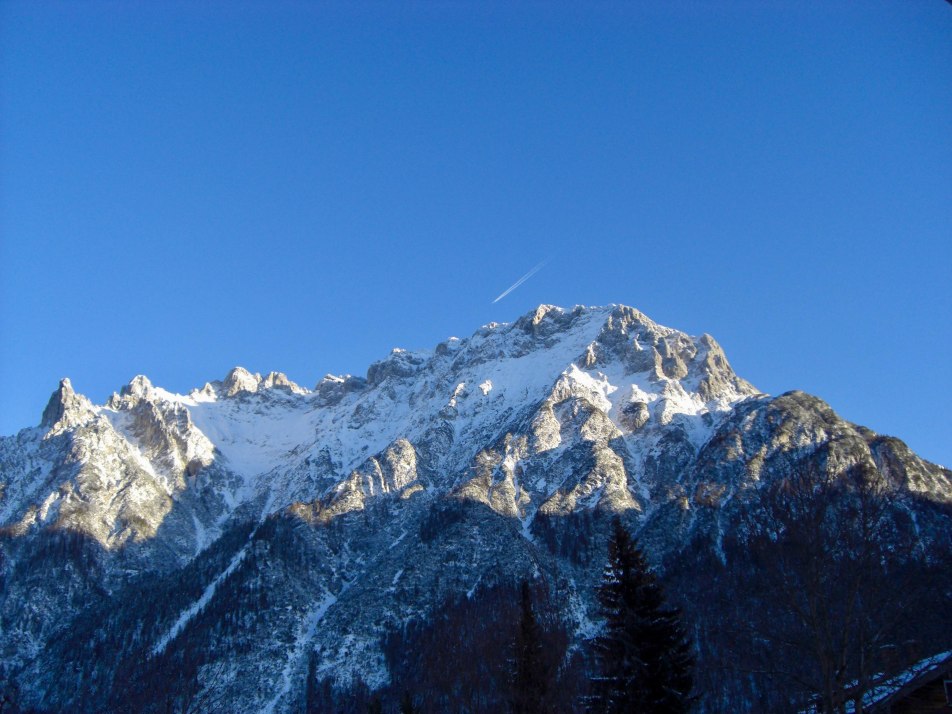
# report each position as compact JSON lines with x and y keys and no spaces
{"x":644,"y":659}
{"x":310,"y":684}
{"x":530,"y":677}
{"x":406,"y":703}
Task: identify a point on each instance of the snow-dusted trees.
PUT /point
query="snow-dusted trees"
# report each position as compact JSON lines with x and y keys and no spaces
{"x":644,"y":659}
{"x":498,"y":648}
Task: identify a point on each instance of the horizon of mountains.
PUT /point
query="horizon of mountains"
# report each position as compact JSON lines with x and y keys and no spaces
{"x":258,"y":546}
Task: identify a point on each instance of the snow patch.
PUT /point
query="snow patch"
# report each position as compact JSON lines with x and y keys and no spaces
{"x":304,"y":636}
{"x":197,"y":606}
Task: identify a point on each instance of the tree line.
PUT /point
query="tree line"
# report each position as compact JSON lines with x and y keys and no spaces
{"x":507,"y":648}
{"x":822,"y":589}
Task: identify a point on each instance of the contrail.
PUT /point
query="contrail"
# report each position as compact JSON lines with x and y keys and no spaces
{"x":521,"y":280}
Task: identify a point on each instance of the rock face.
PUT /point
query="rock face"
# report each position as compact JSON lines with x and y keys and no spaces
{"x":65,"y":408}
{"x":276,"y":528}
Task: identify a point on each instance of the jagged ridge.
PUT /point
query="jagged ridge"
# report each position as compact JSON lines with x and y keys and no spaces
{"x":559,"y":414}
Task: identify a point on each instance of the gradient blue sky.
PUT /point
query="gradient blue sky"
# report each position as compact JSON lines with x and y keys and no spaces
{"x":303,"y":186}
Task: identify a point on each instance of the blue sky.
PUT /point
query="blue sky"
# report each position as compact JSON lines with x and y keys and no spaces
{"x":303,"y":186}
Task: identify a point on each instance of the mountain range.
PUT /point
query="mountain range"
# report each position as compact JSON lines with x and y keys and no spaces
{"x":241,"y":547}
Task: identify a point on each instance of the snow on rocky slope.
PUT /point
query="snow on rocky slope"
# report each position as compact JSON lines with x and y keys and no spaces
{"x":561,"y":413}
{"x":114,"y":471}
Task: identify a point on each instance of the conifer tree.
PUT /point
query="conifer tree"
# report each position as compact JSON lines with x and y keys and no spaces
{"x":406,"y":703}
{"x":644,"y":659}
{"x":530,"y":678}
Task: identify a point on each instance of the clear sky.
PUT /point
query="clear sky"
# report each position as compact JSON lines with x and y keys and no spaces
{"x":302,"y":186}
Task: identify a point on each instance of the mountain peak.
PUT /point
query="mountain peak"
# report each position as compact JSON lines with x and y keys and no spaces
{"x":139,"y":386}
{"x":64,"y":405}
{"x":240,"y":379}
{"x":280,"y":380}
{"x":542,"y":311}
{"x":375,"y":500}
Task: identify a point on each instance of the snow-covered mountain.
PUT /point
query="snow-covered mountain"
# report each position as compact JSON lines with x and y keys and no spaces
{"x":285,"y":531}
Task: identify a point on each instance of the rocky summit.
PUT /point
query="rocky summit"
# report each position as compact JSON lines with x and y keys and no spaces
{"x":259,"y":546}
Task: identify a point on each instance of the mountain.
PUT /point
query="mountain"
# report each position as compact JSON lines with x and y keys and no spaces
{"x":231,"y":548}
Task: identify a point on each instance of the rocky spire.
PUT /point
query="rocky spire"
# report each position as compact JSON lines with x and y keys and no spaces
{"x":64,"y":403}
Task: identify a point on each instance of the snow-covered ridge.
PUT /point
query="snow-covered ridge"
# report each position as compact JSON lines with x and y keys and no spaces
{"x":309,"y":524}
{"x":268,"y":437}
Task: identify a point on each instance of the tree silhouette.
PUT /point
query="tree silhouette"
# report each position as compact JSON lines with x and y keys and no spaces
{"x":644,"y":659}
{"x":530,"y":682}
{"x":406,"y":703}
